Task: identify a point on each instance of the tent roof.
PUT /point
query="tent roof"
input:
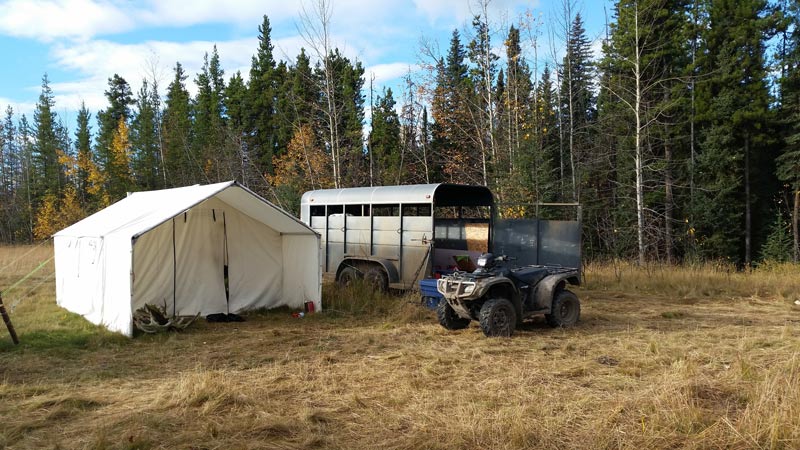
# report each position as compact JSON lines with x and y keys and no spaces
{"x":142,"y":211}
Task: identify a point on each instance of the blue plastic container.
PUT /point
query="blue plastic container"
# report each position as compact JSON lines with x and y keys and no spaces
{"x":430,"y":296}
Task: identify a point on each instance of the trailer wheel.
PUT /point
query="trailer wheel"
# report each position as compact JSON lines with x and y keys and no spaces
{"x":498,"y":318}
{"x":566,"y":310}
{"x":376,"y":277}
{"x":448,"y":317}
{"x":348,"y":276}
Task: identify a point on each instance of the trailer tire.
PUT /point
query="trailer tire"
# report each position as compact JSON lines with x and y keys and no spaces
{"x":566,"y":310}
{"x":348,"y":276}
{"x":498,"y":318}
{"x":376,"y":277}
{"x":448,"y":317}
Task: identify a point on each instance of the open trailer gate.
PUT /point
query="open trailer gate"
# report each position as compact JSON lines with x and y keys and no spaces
{"x":539,"y":241}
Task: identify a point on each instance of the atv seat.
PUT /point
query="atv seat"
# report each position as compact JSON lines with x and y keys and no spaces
{"x":529,"y":275}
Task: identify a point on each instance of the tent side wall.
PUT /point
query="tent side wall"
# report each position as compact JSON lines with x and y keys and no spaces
{"x":302,"y":278}
{"x":93,"y":279}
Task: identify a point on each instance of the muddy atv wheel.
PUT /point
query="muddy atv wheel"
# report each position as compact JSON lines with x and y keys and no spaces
{"x":566,"y":310}
{"x":376,"y":278}
{"x":448,"y":317}
{"x":348,"y":276}
{"x":498,"y":318}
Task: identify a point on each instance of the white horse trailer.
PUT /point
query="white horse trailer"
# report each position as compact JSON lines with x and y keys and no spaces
{"x":393,"y":236}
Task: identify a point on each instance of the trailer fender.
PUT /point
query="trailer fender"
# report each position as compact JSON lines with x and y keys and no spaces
{"x":361,"y":263}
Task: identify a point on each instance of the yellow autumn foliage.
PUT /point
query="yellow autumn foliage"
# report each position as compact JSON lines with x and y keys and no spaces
{"x":55,"y":214}
{"x":96,"y":179}
{"x":120,"y":160}
{"x":304,"y":166}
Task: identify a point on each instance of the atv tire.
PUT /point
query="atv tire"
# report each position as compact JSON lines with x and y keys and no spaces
{"x":448,"y":317}
{"x":566,"y":310}
{"x":498,"y":318}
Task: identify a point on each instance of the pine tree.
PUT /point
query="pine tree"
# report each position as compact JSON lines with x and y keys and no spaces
{"x":180,"y":162}
{"x":788,"y":163}
{"x":522,"y":127}
{"x":83,"y":150}
{"x":733,"y":108}
{"x":209,"y":132}
{"x":118,"y":170}
{"x":453,"y":141}
{"x":641,"y":58}
{"x":48,"y":178}
{"x":144,"y":137}
{"x":261,"y":94}
{"x":351,"y":83}
{"x":8,"y":175}
{"x":120,"y":98}
{"x":539,"y":140}
{"x":578,"y":108}
{"x":385,"y":140}
{"x":483,"y":105}
{"x":235,"y":101}
{"x":778,"y":245}
{"x":304,"y":90}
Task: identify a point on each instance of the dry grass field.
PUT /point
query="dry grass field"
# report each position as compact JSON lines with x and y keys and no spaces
{"x":662,"y":358}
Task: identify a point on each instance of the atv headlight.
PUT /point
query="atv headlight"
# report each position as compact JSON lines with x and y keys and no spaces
{"x":486,"y":261}
{"x":469,"y":288}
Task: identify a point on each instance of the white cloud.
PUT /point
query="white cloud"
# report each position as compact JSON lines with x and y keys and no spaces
{"x":385,"y":73}
{"x":47,"y":20}
{"x":98,"y":60}
{"x":456,"y":12}
{"x":180,"y":13}
{"x":19,"y":108}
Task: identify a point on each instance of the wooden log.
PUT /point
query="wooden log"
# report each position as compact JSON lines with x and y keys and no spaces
{"x":7,"y":320}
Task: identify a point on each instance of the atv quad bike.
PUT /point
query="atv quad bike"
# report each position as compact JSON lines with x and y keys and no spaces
{"x":500,"y":298}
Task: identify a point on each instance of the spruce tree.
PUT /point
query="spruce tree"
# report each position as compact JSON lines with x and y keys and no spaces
{"x":144,"y":140}
{"x":49,"y":177}
{"x":208,"y":132}
{"x":733,"y":107}
{"x":385,"y":140}
{"x":454,"y":142}
{"x":180,"y":163}
{"x":7,"y":176}
{"x":83,"y":149}
{"x":788,"y":163}
{"x":578,"y":105}
{"x":482,"y":104}
{"x":261,"y":94}
{"x":120,"y":99}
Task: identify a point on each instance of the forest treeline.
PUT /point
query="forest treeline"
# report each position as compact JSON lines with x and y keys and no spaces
{"x":681,"y":141}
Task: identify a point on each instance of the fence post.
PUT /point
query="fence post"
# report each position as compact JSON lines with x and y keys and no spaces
{"x":7,"y":320}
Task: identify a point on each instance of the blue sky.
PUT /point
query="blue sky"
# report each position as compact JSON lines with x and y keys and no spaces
{"x":81,"y":43}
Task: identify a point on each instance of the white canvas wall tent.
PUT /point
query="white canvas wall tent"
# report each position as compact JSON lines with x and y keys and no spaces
{"x":172,"y":247}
